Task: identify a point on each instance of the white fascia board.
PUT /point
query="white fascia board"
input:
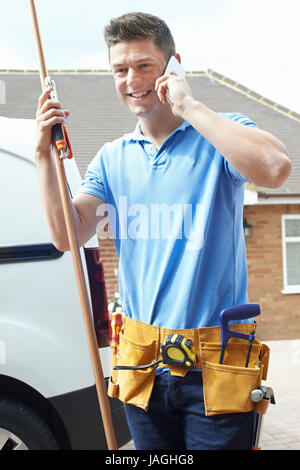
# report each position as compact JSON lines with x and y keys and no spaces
{"x":250,"y":197}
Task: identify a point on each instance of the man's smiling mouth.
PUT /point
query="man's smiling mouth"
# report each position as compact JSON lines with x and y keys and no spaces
{"x":140,"y":94}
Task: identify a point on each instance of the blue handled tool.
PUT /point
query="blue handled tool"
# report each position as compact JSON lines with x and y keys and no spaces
{"x":236,"y":312}
{"x":251,"y":339}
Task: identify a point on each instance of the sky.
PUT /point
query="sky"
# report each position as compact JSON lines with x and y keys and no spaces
{"x":252,"y":42}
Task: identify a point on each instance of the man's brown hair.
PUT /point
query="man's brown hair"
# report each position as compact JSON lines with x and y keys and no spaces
{"x":139,"y":25}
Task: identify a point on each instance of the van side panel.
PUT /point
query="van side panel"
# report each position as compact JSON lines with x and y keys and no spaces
{"x":42,"y":334}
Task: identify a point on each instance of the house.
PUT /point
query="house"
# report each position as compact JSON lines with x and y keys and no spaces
{"x":271,"y":216}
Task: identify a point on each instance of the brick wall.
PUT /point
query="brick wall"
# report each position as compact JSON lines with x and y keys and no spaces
{"x":280,"y":317}
{"x":110,"y":264}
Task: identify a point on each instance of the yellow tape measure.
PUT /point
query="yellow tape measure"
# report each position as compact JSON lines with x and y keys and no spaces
{"x":178,"y":350}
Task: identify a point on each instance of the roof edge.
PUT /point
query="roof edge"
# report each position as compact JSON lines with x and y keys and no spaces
{"x":267,"y":195}
{"x":56,"y":72}
{"x":277,"y":195}
{"x":252,"y":94}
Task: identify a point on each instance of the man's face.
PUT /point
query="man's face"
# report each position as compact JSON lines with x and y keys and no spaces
{"x":136,"y":65}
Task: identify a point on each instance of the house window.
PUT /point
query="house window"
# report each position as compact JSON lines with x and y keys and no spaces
{"x":291,"y":253}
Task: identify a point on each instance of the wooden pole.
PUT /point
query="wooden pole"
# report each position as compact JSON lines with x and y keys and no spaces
{"x":79,"y":274}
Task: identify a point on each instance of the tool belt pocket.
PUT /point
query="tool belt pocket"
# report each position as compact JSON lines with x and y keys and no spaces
{"x":134,"y":386}
{"x":227,"y":387}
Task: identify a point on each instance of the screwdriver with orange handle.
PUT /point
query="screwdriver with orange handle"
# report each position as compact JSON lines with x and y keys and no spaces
{"x":116,"y":325}
{"x":59,"y":131}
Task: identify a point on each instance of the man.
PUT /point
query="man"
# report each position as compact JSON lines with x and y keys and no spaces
{"x":193,"y":162}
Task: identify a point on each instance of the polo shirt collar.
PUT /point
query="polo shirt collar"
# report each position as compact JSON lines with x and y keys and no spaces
{"x":137,"y":135}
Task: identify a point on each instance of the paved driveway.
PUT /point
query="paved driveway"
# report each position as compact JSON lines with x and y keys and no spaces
{"x":281,"y":429}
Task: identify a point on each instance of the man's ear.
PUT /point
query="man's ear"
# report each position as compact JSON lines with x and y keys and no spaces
{"x":178,"y":57}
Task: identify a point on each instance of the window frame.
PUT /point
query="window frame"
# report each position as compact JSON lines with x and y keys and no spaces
{"x":288,"y":289}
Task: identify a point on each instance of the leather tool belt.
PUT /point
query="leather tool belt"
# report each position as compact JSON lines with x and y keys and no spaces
{"x":227,"y":387}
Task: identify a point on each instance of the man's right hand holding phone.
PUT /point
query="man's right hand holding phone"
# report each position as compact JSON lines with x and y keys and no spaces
{"x":172,"y":87}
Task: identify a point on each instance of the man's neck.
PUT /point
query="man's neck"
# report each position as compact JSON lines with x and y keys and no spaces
{"x":157,"y":129}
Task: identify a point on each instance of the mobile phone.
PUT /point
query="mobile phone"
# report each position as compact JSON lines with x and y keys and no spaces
{"x":174,"y":66}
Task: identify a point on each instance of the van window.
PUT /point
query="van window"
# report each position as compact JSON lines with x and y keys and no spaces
{"x":21,"y":215}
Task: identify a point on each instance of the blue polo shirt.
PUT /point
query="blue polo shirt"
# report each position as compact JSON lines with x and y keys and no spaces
{"x":176,"y":216}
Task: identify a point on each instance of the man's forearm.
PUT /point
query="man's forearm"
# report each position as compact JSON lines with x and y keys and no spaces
{"x":258,"y":155}
{"x":51,"y":201}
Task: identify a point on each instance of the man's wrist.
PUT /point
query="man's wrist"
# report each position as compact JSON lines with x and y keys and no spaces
{"x":184,"y":107}
{"x":196,"y":113}
{"x":42,"y":154}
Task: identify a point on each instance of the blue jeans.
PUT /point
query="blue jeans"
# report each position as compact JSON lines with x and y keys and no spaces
{"x":175,"y":419}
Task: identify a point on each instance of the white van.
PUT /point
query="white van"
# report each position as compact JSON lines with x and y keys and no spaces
{"x":48,"y":398}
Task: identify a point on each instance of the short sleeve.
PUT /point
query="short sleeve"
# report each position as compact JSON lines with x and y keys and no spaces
{"x":94,"y":179}
{"x":237,"y":177}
